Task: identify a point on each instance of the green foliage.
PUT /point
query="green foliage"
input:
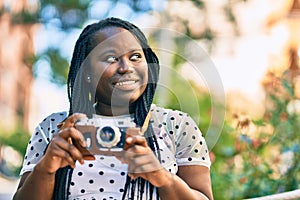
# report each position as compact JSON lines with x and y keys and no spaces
{"x":65,"y":5}
{"x":25,"y":17}
{"x":18,"y":141}
{"x":199,"y":3}
{"x":59,"y":66}
{"x":261,"y":162}
{"x":288,"y":87}
{"x":69,"y":13}
{"x":177,"y":58}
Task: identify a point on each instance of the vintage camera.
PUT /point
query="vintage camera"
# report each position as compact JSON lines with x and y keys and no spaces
{"x":104,"y":136}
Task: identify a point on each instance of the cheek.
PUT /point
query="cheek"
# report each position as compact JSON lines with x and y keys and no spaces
{"x":102,"y":82}
{"x":98,"y":68}
{"x":102,"y":74}
{"x":99,"y":83}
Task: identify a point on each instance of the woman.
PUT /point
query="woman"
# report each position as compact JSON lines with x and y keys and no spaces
{"x":113,"y":74}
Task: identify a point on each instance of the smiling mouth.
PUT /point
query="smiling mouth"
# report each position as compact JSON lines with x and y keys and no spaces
{"x":126,"y":85}
{"x":123,"y":83}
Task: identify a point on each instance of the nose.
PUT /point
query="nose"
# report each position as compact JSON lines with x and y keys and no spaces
{"x":125,"y":66}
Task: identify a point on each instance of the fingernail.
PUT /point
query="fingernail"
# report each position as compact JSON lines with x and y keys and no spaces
{"x":83,"y":143}
{"x":129,"y":139}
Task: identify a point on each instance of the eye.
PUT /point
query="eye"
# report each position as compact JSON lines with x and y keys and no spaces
{"x":136,"y":57}
{"x":111,"y":59}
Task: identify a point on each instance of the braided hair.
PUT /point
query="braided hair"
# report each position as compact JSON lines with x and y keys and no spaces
{"x":84,"y":45}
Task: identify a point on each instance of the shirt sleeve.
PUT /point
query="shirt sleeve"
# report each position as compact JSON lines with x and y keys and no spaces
{"x":191,"y":147}
{"x":39,"y":140}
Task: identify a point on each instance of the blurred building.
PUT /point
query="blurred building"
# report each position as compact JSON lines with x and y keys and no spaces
{"x":16,"y":57}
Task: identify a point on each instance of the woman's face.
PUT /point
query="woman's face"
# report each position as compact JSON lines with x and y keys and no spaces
{"x":119,"y":68}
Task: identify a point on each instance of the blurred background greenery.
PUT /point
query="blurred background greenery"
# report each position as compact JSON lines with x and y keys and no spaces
{"x":257,"y":152}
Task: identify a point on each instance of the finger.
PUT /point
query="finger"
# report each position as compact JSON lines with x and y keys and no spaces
{"x":138,"y":140}
{"x":133,"y":176}
{"x":145,"y":168}
{"x":59,"y":156}
{"x":72,"y":133}
{"x":121,"y":159}
{"x":138,"y":149}
{"x":144,"y":163}
{"x":69,"y":148}
{"x":65,"y":158}
{"x":70,"y":121}
{"x":133,"y":131}
{"x":135,"y":169}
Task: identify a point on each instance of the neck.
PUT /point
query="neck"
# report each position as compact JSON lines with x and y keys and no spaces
{"x":110,"y":110}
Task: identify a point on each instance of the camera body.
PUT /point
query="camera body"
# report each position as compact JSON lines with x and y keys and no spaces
{"x":104,"y":136}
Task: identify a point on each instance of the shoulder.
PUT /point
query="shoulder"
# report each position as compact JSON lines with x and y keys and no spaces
{"x":48,"y":126}
{"x":165,"y":114}
{"x":175,"y":122}
{"x":158,"y":110}
{"x":54,"y":118}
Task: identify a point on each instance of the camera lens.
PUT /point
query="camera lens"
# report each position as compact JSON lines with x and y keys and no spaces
{"x":108,"y":136}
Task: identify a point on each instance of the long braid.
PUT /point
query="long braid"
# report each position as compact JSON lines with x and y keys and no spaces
{"x":79,"y":98}
{"x":81,"y":50}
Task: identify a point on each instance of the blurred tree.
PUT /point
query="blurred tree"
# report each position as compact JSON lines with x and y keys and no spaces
{"x":264,"y":159}
{"x":284,"y":112}
{"x":266,"y":150}
{"x":17,"y":24}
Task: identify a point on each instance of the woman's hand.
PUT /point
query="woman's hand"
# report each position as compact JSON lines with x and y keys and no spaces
{"x":143,"y":163}
{"x":61,"y":152}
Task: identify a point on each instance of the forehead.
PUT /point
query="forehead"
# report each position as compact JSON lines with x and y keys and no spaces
{"x":115,"y":36}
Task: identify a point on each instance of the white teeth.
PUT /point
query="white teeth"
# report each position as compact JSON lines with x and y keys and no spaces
{"x":125,"y":83}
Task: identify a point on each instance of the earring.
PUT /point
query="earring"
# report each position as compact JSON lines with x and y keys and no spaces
{"x":90,"y":96}
{"x":88,"y":79}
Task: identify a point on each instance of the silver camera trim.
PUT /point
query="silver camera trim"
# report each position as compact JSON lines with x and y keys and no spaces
{"x":116,"y":123}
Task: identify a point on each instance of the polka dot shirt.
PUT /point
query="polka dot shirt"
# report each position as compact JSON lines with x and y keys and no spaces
{"x":180,"y":142}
